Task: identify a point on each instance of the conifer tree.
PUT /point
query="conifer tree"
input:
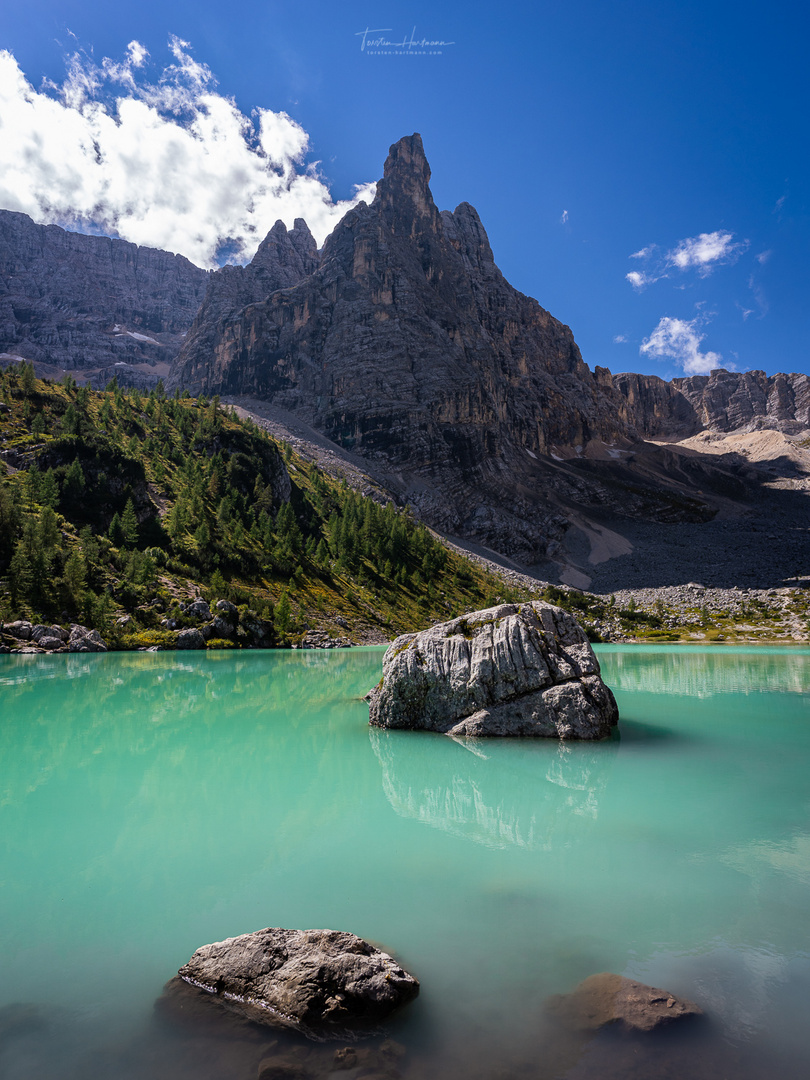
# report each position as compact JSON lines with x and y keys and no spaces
{"x":282,"y":613}
{"x":49,"y":490}
{"x":74,"y":481}
{"x":74,"y":575}
{"x":129,"y":525}
{"x":115,"y":532}
{"x":28,"y":380}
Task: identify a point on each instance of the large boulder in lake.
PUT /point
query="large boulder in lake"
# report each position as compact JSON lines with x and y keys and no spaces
{"x":515,"y":669}
{"x":608,"y":999}
{"x":323,"y":983}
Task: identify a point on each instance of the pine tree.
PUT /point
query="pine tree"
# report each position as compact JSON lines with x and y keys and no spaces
{"x":74,"y":575}
{"x":70,"y":421}
{"x":129,"y":525}
{"x":47,"y":530}
{"x":33,"y":481}
{"x":21,"y":573}
{"x":74,"y":481}
{"x":115,"y":532}
{"x":28,"y":380}
{"x":49,"y":490}
{"x":282,"y":613}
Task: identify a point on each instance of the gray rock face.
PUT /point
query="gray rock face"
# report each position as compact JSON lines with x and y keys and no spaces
{"x":402,"y":341}
{"x":524,"y":669}
{"x":82,"y":639}
{"x":612,"y":999}
{"x":405,"y":343}
{"x":199,"y":609}
{"x":190,"y":639}
{"x":722,"y":401}
{"x":75,"y":301}
{"x":323,"y":983}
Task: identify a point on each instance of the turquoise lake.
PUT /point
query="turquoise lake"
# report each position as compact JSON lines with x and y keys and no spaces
{"x":150,"y":804}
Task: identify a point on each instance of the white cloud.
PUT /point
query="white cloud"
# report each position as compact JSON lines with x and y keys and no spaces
{"x":619,"y":339}
{"x":702,"y":253}
{"x":564,"y":217}
{"x":170,"y":163}
{"x":680,"y":340}
{"x":764,"y":256}
{"x":639,"y":280}
{"x":137,"y":54}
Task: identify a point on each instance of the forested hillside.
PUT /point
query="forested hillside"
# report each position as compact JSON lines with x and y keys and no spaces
{"x":117,"y":507}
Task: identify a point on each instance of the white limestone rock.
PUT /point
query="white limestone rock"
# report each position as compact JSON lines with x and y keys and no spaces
{"x":515,"y":669}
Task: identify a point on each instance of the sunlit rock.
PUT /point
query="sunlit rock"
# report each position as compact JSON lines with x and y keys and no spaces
{"x":323,"y":983}
{"x":515,"y":669}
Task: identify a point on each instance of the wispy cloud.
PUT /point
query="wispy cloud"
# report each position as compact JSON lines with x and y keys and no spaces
{"x":702,"y":253}
{"x":764,"y":256}
{"x":705,"y":251}
{"x":564,"y":217}
{"x":680,"y":340}
{"x":169,"y":163}
{"x":759,"y":296}
{"x":619,"y":339}
{"x":641,"y":281}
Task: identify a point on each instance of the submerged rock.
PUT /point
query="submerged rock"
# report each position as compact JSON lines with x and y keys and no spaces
{"x":515,"y":669}
{"x":612,"y":999}
{"x":323,"y":983}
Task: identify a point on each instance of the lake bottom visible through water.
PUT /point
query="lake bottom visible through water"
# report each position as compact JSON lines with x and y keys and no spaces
{"x":152,"y":804}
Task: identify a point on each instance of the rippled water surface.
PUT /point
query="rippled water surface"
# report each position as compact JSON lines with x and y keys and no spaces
{"x":152,"y":803}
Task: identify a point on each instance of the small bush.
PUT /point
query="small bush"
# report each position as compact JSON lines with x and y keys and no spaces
{"x":220,"y":643}
{"x":145,"y":639}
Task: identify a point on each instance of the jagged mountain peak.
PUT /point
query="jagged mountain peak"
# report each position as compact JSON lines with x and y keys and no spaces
{"x":403,"y":195}
{"x":286,"y":254}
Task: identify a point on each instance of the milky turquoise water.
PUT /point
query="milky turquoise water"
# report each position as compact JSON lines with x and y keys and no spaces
{"x":152,"y":803}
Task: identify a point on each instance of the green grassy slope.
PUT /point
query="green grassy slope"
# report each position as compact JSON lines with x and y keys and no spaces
{"x":115,"y":503}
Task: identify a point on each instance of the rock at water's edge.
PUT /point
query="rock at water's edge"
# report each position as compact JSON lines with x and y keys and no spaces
{"x":515,"y":669}
{"x":613,"y":999}
{"x":323,"y":983}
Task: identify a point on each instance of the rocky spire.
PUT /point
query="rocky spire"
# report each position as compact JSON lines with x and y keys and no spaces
{"x":283,"y":258}
{"x":403,"y":197}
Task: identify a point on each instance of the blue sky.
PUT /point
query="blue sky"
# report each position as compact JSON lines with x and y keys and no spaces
{"x":584,"y":133}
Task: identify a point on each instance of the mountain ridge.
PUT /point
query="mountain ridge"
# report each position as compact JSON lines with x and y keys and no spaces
{"x":89,"y":304}
{"x":407,"y":346}
{"x":403,"y":344}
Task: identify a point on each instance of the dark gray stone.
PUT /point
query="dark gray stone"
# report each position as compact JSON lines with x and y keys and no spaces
{"x":190,"y":639}
{"x":323,"y":983}
{"x":199,"y":609}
